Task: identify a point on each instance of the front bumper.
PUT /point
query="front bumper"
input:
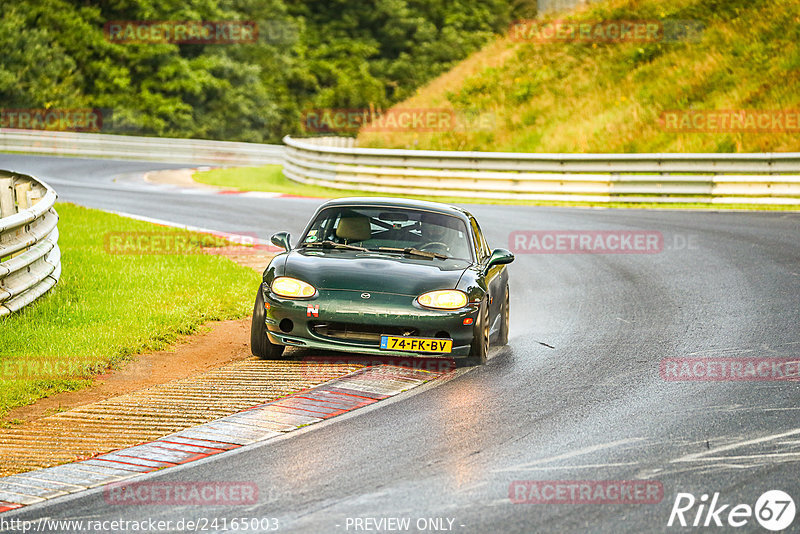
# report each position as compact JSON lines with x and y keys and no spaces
{"x":302,"y":323}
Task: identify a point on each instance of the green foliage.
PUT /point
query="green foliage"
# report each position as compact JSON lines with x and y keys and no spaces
{"x":309,"y":54}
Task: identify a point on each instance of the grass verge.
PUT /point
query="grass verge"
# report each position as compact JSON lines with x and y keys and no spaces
{"x":108,"y":307}
{"x":270,"y":178}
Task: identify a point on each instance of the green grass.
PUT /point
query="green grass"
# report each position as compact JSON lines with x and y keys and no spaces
{"x":609,"y":97}
{"x":266,"y":178}
{"x":270,"y":178}
{"x":108,"y":307}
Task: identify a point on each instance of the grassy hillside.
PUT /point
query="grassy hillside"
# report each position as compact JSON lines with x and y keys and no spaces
{"x":609,"y":97}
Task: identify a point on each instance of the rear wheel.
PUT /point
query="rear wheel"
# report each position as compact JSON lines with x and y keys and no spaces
{"x":505,"y":319}
{"x":480,"y":340}
{"x":260,"y":344}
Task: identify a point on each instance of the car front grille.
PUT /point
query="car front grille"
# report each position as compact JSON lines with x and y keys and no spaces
{"x":359,"y":333}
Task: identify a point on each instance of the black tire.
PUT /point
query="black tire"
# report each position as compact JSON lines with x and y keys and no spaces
{"x":480,"y":339}
{"x":260,"y":345}
{"x":505,"y":317}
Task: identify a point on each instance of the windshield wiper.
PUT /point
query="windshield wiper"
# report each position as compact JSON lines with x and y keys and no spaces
{"x":332,"y":244}
{"x":411,"y":251}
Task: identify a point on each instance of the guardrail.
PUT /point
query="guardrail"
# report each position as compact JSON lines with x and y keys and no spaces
{"x":167,"y":150}
{"x":662,"y":178}
{"x":30,"y":261}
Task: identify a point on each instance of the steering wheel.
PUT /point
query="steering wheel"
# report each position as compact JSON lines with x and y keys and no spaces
{"x":444,"y":246}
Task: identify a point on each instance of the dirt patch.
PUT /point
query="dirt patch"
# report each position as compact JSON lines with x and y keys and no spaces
{"x":218,"y":344}
{"x":151,"y":413}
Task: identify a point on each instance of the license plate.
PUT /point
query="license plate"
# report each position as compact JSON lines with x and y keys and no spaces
{"x":416,"y":344}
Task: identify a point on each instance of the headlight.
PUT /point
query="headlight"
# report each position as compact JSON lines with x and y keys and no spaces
{"x":444,"y":299}
{"x":285,"y":286}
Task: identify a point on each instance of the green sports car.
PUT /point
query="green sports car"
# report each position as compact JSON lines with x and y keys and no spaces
{"x":385,"y":276}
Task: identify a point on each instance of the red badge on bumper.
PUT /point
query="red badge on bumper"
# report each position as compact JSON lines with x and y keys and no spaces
{"x":312,"y":311}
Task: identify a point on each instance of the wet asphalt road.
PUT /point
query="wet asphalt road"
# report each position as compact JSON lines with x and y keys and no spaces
{"x":576,"y":395}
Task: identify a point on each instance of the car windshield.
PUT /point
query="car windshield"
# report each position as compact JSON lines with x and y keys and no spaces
{"x":378,"y":228}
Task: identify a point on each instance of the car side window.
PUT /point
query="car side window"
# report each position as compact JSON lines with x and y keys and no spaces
{"x":480,"y":241}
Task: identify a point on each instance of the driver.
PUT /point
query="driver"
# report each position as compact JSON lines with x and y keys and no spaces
{"x":433,"y":232}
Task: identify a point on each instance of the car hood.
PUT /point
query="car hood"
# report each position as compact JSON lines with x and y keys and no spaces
{"x":376,"y":272}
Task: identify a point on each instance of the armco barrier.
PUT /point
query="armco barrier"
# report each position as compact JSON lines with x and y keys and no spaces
{"x":30,"y":261}
{"x":335,"y":162}
{"x":192,"y":151}
{"x":663,"y":178}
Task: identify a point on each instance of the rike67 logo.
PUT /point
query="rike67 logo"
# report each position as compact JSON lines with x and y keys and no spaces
{"x":774,"y":510}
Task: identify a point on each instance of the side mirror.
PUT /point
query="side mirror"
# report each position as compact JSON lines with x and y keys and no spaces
{"x":500,"y":256}
{"x":281,"y":239}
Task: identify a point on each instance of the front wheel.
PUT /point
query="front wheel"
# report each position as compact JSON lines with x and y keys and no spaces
{"x":260,"y":344}
{"x":480,"y":340}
